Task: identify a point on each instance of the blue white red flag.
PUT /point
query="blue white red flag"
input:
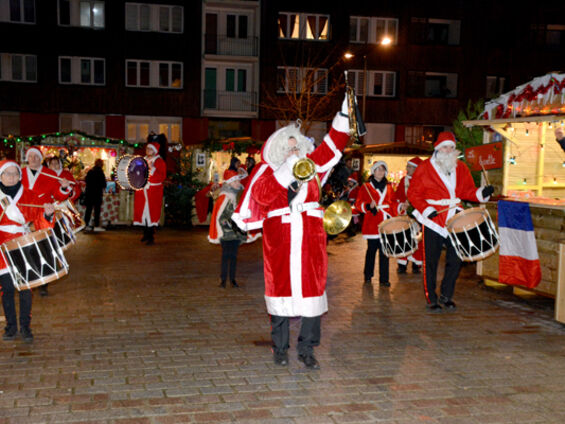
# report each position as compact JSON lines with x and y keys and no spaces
{"x":518,"y":261}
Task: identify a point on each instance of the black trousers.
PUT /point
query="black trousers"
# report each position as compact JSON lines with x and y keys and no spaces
{"x":9,"y":304}
{"x":372,"y":246}
{"x":433,"y":245}
{"x":88,"y":212}
{"x":309,"y":337}
{"x":229,"y":259}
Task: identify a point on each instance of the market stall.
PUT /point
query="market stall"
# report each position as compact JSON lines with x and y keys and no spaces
{"x":532,"y":170}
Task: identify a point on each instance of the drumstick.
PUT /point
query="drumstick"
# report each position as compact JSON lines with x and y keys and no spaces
{"x":446,"y":209}
{"x":485,"y":173}
{"x":57,"y":178}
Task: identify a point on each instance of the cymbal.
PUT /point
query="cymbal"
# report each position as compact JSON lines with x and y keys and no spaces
{"x":337,"y":217}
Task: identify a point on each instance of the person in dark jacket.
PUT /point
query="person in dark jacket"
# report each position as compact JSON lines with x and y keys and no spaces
{"x":95,"y":185}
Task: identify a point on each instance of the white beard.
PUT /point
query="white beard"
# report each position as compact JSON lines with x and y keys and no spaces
{"x":446,"y":162}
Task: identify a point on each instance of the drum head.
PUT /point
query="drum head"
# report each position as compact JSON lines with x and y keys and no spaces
{"x":394,"y":225}
{"x":137,"y":172}
{"x":466,"y":219}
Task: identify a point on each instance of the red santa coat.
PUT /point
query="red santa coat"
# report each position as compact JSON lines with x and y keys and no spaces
{"x":294,"y":240}
{"x":148,"y":201}
{"x":432,"y":190}
{"x":401,"y":196}
{"x":45,"y":187}
{"x":14,"y":220}
{"x":386,"y":208}
{"x":76,"y":190}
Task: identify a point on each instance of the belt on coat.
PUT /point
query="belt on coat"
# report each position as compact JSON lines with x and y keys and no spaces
{"x":444,"y":202}
{"x":298,"y":208}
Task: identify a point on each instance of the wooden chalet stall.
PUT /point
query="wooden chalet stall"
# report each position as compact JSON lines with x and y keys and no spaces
{"x":523,"y":121}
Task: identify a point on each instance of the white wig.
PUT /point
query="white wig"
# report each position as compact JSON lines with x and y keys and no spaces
{"x":276,"y":148}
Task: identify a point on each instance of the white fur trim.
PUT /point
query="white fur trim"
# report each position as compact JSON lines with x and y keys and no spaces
{"x":445,"y":143}
{"x":33,"y":150}
{"x":428,"y":211}
{"x":284,"y":174}
{"x":8,"y":164}
{"x":479,"y":194}
{"x":341,"y":123}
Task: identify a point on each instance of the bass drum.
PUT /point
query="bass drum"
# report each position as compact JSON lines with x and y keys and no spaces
{"x":132,"y":172}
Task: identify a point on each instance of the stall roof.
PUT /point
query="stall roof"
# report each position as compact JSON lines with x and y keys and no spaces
{"x":488,"y":122}
{"x":395,"y":149}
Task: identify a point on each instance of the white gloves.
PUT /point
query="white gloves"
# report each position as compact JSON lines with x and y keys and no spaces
{"x":345,"y":106}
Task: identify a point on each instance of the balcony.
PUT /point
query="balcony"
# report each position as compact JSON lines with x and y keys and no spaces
{"x":229,"y":46}
{"x":230,"y":101}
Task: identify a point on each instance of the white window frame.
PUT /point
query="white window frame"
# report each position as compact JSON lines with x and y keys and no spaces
{"x":302,"y":26}
{"x":76,"y":70}
{"x":6,"y":67}
{"x":391,"y":29}
{"x":357,"y":76}
{"x":84,"y":123}
{"x":5,"y":15}
{"x":154,"y":24}
{"x":154,"y":124}
{"x":452,"y":83}
{"x":75,"y":14}
{"x":320,"y":86}
{"x":154,"y":67}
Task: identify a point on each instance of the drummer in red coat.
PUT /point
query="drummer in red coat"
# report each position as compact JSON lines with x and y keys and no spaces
{"x":45,"y":184}
{"x":55,"y":164}
{"x":294,"y":240}
{"x":14,"y":220}
{"x":149,"y":201}
{"x":439,"y":185}
{"x":376,"y":201}
{"x":403,"y":205}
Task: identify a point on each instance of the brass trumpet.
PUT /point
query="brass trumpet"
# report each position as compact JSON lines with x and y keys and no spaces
{"x":356,"y":125}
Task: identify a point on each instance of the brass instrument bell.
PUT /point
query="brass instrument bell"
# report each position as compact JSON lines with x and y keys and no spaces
{"x":304,"y":169}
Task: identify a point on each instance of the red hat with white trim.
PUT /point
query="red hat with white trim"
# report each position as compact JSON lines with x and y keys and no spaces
{"x":230,"y":176}
{"x":445,"y":138}
{"x":377,"y":164}
{"x":415,"y":162}
{"x":154,"y":145}
{"x":6,"y":163}
{"x":33,"y":150}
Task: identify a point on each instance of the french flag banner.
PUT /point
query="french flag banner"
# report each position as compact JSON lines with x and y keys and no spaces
{"x":518,"y":261}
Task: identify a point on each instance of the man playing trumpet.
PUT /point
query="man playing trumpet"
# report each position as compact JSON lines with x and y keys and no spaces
{"x":294,"y":240}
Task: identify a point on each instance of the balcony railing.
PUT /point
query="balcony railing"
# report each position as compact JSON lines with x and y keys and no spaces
{"x":228,"y":46}
{"x":230,"y":101}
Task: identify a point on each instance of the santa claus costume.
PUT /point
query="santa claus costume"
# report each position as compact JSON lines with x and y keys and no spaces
{"x":61,"y":172}
{"x":148,"y":201}
{"x":43,"y":181}
{"x":380,"y":193}
{"x":294,"y":240}
{"x":438,"y":186}
{"x":403,"y":204}
{"x":14,"y":221}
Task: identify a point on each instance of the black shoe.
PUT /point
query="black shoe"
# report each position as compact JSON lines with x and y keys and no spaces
{"x":415,"y":269}
{"x":150,"y":242}
{"x":234,"y":283}
{"x":309,"y":360}
{"x":448,"y":304}
{"x":43,"y":291}
{"x":434,"y":308}
{"x":401,"y":269}
{"x":280,"y":358}
{"x":10,"y":333}
{"x":27,"y":336}
{"x":223,"y":284}
{"x":368,"y":281}
{"x":385,"y":284}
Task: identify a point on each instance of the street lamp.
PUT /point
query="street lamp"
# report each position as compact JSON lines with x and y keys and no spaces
{"x":385,"y":41}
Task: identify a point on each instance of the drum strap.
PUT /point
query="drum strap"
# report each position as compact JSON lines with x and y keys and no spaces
{"x":300,"y":207}
{"x":444,"y":202}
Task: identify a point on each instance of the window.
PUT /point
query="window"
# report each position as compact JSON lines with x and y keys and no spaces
{"x":293,"y":80}
{"x":236,"y":26}
{"x":154,"y":17}
{"x":301,"y":26}
{"x":420,"y":134}
{"x":83,"y":13}
{"x":551,"y":37}
{"x":495,"y":86}
{"x":364,"y":29}
{"x":17,"y":11}
{"x":435,"y":31}
{"x":154,"y":74}
{"x":379,"y":83}
{"x":18,"y":67}
{"x":431,"y":84}
{"x":82,"y":70}
{"x":139,"y":128}
{"x":89,"y":124}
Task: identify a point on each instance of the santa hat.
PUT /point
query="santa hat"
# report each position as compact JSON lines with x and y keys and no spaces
{"x":415,"y":162}
{"x":378,"y":163}
{"x":33,"y":150}
{"x":230,"y":176}
{"x":6,"y":163}
{"x":354,"y":177}
{"x":154,"y":145}
{"x":445,"y":138}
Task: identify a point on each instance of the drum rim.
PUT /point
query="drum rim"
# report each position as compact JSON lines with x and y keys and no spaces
{"x":28,"y":239}
{"x":463,"y":213}
{"x":122,"y":184}
{"x":406,"y":218}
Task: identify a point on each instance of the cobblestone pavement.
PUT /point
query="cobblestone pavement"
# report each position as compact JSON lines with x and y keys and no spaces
{"x":143,"y":334}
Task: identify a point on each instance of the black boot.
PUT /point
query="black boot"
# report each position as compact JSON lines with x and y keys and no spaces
{"x":234,"y":284}
{"x":223,"y":284}
{"x":145,"y":234}
{"x":150,"y":236}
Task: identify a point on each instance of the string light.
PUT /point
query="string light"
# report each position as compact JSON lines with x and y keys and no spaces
{"x":512,"y":160}
{"x":524,"y":181}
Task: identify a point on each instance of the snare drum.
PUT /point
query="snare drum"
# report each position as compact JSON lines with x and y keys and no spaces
{"x":132,"y":172}
{"x":34,"y":259}
{"x":473,"y":235}
{"x":63,"y":230}
{"x":399,"y":236}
